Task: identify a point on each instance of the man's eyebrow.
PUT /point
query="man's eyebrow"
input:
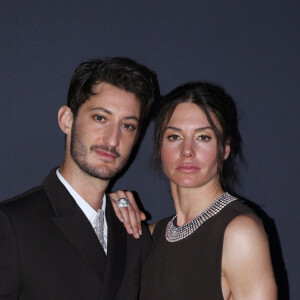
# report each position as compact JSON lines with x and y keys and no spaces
{"x":109,"y":112}
{"x":197,"y":129}
{"x":100,"y":108}
{"x":132,"y":118}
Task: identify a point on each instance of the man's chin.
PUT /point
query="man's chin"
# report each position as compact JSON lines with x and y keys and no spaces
{"x":103,"y":173}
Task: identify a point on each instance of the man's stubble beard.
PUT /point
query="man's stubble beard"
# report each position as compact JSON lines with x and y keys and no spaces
{"x":79,"y":154}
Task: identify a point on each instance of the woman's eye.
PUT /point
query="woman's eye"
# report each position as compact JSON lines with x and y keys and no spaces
{"x":173,"y":137}
{"x":99,"y":118}
{"x":204,"y":137}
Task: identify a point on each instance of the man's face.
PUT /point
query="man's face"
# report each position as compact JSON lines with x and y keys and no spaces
{"x":105,"y":131}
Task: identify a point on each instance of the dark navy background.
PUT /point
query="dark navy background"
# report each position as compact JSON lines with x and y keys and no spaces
{"x":249,"y":47}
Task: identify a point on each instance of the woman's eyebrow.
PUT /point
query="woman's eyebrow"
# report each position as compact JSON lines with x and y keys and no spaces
{"x":173,"y":128}
{"x":197,"y":129}
{"x":203,"y":128}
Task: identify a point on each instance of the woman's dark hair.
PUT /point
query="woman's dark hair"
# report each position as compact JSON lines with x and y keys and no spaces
{"x":121,"y":72}
{"x":211,"y":99}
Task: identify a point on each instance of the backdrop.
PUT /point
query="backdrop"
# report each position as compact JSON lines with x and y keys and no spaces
{"x":249,"y":47}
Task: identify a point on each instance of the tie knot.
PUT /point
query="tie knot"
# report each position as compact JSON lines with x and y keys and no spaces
{"x":100,"y":212}
{"x":99,"y":220}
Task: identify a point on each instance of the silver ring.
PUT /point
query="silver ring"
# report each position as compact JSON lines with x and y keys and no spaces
{"x":123,"y":202}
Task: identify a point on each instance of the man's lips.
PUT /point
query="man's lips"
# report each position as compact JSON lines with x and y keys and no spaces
{"x":105,"y":154}
{"x":187,"y":168}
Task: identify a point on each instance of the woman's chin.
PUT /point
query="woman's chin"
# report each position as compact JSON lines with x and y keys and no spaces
{"x":187,"y":183}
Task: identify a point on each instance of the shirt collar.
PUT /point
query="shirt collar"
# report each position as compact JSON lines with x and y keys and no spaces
{"x":85,"y":207}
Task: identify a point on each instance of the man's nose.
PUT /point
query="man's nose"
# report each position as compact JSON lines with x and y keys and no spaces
{"x":112,"y":137}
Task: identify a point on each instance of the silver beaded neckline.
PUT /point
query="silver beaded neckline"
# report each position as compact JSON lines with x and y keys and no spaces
{"x":175,"y":234}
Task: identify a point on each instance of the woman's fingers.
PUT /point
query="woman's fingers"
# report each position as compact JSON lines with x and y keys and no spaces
{"x":134,"y":213}
{"x":131,"y":215}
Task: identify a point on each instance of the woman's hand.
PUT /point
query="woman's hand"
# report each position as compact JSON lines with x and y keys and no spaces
{"x":131,"y":216}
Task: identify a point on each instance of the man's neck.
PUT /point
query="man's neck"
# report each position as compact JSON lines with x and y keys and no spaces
{"x":91,"y":189}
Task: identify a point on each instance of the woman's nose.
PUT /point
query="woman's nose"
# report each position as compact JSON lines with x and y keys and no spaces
{"x":188,"y":149}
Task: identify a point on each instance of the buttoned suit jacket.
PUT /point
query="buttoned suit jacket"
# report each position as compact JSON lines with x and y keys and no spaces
{"x":49,"y":250}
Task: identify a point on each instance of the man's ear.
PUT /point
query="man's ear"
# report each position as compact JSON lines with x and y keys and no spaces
{"x":227,"y":148}
{"x":65,"y":119}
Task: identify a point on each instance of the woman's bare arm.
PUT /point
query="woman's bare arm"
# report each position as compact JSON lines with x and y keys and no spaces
{"x":246,"y":261}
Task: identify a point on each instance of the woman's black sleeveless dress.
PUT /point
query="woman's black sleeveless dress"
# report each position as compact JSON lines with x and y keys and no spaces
{"x":189,"y":268}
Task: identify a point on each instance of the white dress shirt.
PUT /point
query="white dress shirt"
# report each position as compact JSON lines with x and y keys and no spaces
{"x":89,"y":212}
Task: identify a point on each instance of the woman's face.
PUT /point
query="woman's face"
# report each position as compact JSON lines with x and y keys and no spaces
{"x":189,"y":148}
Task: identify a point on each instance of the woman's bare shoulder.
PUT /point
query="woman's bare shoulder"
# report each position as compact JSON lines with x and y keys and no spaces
{"x":243,"y":225}
{"x":246,"y":261}
{"x":151,"y":227}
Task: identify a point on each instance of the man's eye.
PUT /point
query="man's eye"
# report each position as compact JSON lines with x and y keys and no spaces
{"x":204,"y":137}
{"x":129,"y":127}
{"x":173,"y":137}
{"x":99,"y":118}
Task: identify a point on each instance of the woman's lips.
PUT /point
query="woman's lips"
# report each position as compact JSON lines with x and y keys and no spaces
{"x":187,"y":168}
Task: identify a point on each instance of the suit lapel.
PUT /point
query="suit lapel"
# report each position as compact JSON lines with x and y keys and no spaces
{"x":116,"y":255}
{"x":74,"y":225}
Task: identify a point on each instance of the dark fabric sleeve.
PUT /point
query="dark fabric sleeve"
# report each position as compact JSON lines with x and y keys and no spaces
{"x":147,"y":244}
{"x":10,"y":274}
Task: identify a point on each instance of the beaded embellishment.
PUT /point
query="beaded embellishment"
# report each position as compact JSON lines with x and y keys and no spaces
{"x":176,"y":233}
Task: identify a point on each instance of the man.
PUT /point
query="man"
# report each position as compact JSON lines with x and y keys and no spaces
{"x":62,"y":239}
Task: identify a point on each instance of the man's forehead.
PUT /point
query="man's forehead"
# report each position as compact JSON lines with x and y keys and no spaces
{"x":102,"y":86}
{"x":99,"y":86}
{"x":111,"y":100}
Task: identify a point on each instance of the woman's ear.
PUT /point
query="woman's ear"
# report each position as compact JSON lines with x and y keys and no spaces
{"x":65,"y":119}
{"x":227,"y":148}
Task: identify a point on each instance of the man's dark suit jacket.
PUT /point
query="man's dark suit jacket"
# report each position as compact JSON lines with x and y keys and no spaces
{"x":49,"y":250}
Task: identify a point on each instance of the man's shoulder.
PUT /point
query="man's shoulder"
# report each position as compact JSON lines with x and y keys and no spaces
{"x":146,"y":233}
{"x":145,"y":239}
{"x":25,"y":200}
{"x":34,"y":198}
{"x":139,"y":249}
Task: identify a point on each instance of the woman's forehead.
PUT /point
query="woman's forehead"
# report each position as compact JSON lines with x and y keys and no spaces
{"x":191,"y":114}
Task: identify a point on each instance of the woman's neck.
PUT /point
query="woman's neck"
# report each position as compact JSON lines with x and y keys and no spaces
{"x":190,"y":202}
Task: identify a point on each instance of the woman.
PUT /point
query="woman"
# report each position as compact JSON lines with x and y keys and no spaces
{"x":214,"y":247}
